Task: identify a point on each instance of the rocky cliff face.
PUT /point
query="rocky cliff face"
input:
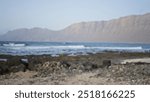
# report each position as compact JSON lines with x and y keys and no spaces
{"x":135,"y":28}
{"x":126,"y":29}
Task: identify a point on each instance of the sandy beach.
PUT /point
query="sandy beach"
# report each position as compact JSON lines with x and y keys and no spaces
{"x":107,"y":68}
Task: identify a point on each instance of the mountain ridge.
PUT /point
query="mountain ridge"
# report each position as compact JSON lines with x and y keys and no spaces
{"x":134,"y":28}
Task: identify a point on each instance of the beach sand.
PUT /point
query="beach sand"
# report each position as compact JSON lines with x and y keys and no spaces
{"x":107,"y":68}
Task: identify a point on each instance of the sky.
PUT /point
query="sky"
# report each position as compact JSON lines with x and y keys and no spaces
{"x":58,"y":14}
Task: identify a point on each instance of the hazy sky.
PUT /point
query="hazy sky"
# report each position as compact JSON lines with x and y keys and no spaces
{"x":57,"y":14}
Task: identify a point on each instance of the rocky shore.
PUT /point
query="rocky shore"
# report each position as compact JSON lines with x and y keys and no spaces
{"x":95,"y":69}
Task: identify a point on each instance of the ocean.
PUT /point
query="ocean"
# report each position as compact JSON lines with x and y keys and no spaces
{"x":68,"y":48}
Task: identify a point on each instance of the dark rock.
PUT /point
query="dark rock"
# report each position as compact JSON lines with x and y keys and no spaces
{"x":65,"y":63}
{"x":25,"y":62}
{"x":138,"y":63}
{"x":146,"y":71}
{"x":89,"y":66}
{"x":4,"y":69}
{"x":12,"y":65}
{"x":106,"y":63}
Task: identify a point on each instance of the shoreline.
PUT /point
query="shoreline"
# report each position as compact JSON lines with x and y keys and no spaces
{"x":94,"y":69}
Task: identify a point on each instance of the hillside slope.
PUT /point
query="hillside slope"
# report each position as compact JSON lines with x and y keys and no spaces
{"x":135,"y":28}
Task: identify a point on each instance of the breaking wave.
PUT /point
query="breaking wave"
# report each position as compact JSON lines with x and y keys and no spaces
{"x":14,"y":45}
{"x":119,"y":48}
{"x":38,"y":48}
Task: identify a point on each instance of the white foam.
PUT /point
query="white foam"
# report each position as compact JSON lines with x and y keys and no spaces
{"x":69,"y":47}
{"x":3,"y":60}
{"x":14,"y":45}
{"x":119,"y":48}
{"x":56,"y":47}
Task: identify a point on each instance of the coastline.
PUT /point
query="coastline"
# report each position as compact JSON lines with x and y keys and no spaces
{"x":94,"y":69}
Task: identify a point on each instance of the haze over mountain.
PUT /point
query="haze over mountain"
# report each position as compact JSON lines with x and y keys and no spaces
{"x":134,"y":28}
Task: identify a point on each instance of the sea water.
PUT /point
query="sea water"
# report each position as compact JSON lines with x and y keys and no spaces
{"x":69,"y":48}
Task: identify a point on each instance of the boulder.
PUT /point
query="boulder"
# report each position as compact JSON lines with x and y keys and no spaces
{"x":25,"y":62}
{"x":106,"y":63}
